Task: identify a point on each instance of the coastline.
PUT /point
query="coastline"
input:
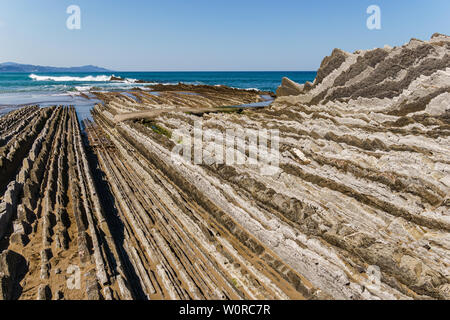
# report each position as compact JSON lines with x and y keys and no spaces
{"x":335,"y":190}
{"x":78,"y":89}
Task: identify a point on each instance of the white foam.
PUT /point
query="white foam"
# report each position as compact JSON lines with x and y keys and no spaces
{"x":130,"y":80}
{"x":101,"y":78}
{"x":83,"y":89}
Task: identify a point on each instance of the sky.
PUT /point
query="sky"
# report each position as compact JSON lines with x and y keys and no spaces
{"x":208,"y":35}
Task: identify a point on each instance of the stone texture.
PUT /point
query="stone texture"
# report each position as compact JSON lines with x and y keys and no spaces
{"x":12,"y":268}
{"x":289,"y":88}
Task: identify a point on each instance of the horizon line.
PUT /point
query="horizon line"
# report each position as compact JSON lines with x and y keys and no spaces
{"x":163,"y":71}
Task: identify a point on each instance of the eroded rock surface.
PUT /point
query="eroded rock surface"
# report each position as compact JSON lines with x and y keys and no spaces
{"x":358,"y":208}
{"x":51,"y":224}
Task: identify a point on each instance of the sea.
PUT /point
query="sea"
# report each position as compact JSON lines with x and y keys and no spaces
{"x":45,"y":89}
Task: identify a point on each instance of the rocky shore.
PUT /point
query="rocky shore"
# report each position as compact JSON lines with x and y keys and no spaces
{"x":50,"y":213}
{"x":359,"y":208}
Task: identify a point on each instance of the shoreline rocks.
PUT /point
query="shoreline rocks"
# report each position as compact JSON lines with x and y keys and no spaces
{"x":289,"y":88}
{"x":359,"y":208}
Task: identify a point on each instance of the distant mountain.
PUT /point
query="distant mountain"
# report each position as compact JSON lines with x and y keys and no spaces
{"x":17,"y":67}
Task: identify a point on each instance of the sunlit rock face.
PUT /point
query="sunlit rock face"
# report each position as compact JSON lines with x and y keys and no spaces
{"x":374,"y":127}
{"x":397,"y":81}
{"x":358,"y":208}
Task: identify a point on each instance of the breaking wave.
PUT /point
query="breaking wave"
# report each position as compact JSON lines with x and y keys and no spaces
{"x":101,"y":78}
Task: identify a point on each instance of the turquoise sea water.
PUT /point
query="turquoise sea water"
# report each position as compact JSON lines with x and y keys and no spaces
{"x":18,"y":89}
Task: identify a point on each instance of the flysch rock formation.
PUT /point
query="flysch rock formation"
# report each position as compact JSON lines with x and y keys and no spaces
{"x":54,"y":241}
{"x":358,"y":208}
{"x":374,"y":127}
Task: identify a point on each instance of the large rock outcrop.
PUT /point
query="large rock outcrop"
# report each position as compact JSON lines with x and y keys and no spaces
{"x":358,"y":210}
{"x":399,"y":81}
{"x":289,"y":88}
{"x":359,"y":207}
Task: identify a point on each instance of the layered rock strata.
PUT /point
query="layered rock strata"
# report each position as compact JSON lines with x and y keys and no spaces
{"x":55,"y":242}
{"x":358,"y":208}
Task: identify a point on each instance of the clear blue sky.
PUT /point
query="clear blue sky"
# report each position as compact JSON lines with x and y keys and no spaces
{"x":168,"y":35}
